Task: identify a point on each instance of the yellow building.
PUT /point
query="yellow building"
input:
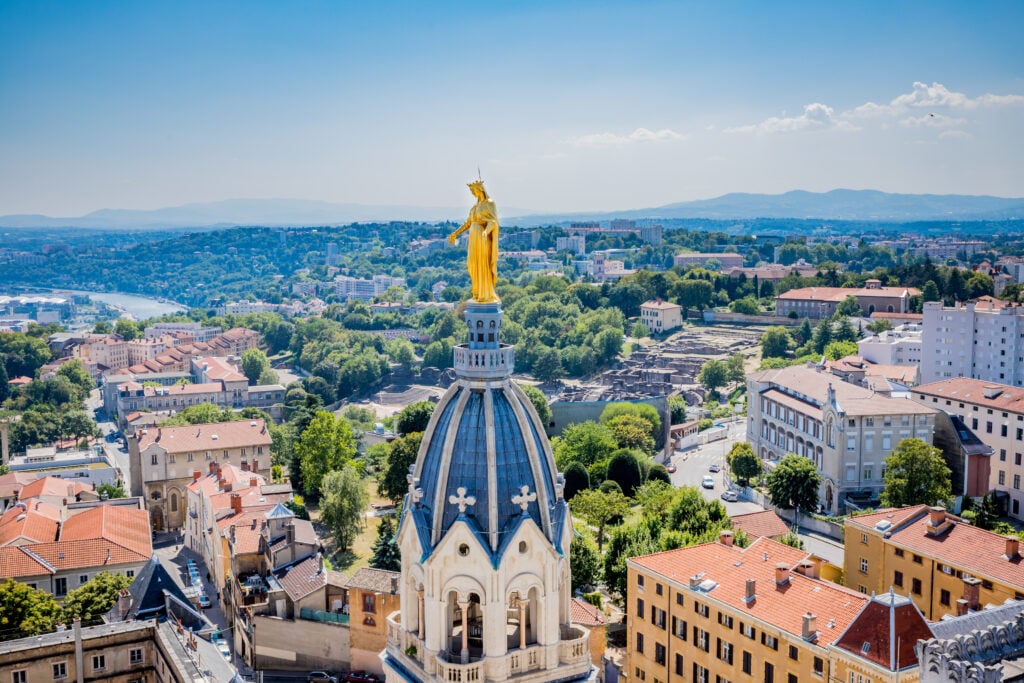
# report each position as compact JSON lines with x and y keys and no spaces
{"x":717,"y":612}
{"x":945,"y":566}
{"x":661,"y":316}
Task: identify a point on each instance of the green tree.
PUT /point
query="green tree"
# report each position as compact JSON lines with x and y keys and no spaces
{"x":584,"y":563}
{"x":90,"y":601}
{"x":585,"y":443}
{"x":26,"y":611}
{"x":840,"y":349}
{"x":324,"y":446}
{"x":576,"y":480}
{"x":267,"y":377}
{"x":23,"y":354}
{"x":599,"y":508}
{"x":632,"y":431}
{"x":254,"y":362}
{"x":849,"y":306}
{"x":743,"y":462}
{"x":78,"y":376}
{"x":626,"y":470}
{"x":547,"y":364}
{"x":102,"y":327}
{"x":5,"y":387}
{"x":127,"y":329}
{"x":203,"y":413}
{"x":343,"y":501}
{"x":393,"y":484}
{"x":628,"y":541}
{"x":386,"y":554}
{"x":735,"y":365}
{"x":794,"y":483}
{"x":746,"y":306}
{"x":644,"y":410}
{"x":822,"y":336}
{"x":539,"y":401}
{"x":930,"y":291}
{"x":713,"y":375}
{"x":677,"y":408}
{"x":775,"y":342}
{"x":916,"y":474}
{"x":438,"y":354}
{"x":112,"y":491}
{"x":414,"y":418}
{"x":401,"y":351}
{"x":639,"y":331}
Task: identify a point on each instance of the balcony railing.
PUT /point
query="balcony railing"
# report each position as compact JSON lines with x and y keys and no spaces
{"x":324,"y":617}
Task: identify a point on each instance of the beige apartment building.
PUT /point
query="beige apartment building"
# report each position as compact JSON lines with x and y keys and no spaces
{"x":661,"y":316}
{"x":847,"y":430}
{"x":718,"y":612}
{"x":164,"y":460}
{"x":821,"y":302}
{"x":995,"y":413}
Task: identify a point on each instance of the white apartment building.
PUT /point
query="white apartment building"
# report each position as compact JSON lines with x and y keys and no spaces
{"x":981,"y":340}
{"x":847,"y":430}
{"x":900,"y":346}
{"x":197,"y":331}
{"x":577,"y":244}
{"x":356,"y":288}
{"x":661,"y":316}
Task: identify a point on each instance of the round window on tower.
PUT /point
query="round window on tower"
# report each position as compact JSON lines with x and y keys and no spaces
{"x":463,"y":550}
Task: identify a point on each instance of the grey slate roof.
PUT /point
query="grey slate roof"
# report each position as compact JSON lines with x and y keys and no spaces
{"x":977,"y":621}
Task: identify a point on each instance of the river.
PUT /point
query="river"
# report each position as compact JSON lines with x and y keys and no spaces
{"x":139,"y":307}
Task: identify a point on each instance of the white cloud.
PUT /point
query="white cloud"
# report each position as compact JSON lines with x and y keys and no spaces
{"x":955,"y":135}
{"x":934,"y":96}
{"x":614,"y":139}
{"x":932,"y":121}
{"x":816,"y":116}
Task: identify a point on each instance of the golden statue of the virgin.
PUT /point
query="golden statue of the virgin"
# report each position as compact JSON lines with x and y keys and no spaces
{"x":482,"y":255}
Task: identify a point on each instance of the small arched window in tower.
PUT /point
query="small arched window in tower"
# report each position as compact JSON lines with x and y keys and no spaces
{"x":522,"y":546}
{"x":493,"y":325}
{"x":174,"y":502}
{"x":464,"y":550}
{"x":479,"y":323}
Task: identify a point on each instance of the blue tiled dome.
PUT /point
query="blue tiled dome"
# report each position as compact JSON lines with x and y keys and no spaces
{"x":485,"y":448}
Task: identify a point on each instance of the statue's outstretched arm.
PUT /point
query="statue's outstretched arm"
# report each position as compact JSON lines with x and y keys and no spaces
{"x":452,"y":237}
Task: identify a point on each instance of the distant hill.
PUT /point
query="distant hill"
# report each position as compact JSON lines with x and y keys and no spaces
{"x":851,"y":205}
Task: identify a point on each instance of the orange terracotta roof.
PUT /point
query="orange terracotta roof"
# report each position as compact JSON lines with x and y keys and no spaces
{"x":839,"y":294}
{"x":894,"y":516}
{"x":585,"y":614}
{"x":212,"y":483}
{"x":12,"y":482}
{"x":90,"y":552}
{"x":964,"y":546}
{"x":126,"y":527}
{"x":302,"y":578}
{"x":15,"y":563}
{"x":758,"y":524}
{"x":33,"y":524}
{"x":729,"y":567}
{"x":659,"y":304}
{"x":966,"y":390}
{"x":248,"y":530}
{"x":900,"y":316}
{"x":53,"y":486}
{"x":208,"y":437}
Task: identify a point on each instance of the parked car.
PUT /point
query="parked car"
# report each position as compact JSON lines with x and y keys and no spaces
{"x":714,"y":467}
{"x":708,"y":482}
{"x":360,"y":677}
{"x":224,"y":649}
{"x":671,"y":468}
{"x":204,"y":601}
{"x":730,"y":496}
{"x":321,"y":677}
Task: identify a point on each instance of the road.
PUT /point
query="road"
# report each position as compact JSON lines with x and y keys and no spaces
{"x":692,"y":466}
{"x":114,"y":449}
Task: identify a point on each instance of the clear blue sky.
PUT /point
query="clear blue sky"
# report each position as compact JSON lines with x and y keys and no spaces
{"x":564,"y":106}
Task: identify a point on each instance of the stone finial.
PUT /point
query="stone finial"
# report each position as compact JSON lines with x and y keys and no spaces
{"x":462,"y":500}
{"x":524,"y":498}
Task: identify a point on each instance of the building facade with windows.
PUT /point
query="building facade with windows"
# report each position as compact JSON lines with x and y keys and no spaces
{"x":661,"y":316}
{"x":847,"y":430}
{"x":164,"y":461}
{"x":947,"y":567}
{"x":821,"y":302}
{"x":717,"y":612}
{"x":983,"y":339}
{"x":995,"y":413}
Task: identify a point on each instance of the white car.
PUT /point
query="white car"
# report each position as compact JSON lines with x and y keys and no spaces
{"x":708,"y":482}
{"x":224,"y":649}
{"x":730,"y":496}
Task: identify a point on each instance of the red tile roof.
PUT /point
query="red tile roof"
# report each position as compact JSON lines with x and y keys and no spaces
{"x":209,"y":437}
{"x":15,"y":563}
{"x":90,"y":552}
{"x":894,"y":516}
{"x":838,"y":294}
{"x":886,"y":631}
{"x":303,"y":578}
{"x":248,"y":529}
{"x":53,"y":486}
{"x":966,"y":390}
{"x":125,"y":527}
{"x":757,"y":524}
{"x":585,"y":614}
{"x":37,"y":522}
{"x":729,"y":567}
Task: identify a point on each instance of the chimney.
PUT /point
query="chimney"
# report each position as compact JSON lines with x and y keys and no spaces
{"x":751,"y":591}
{"x":253,"y":482}
{"x":725,"y":536}
{"x":808,"y":568}
{"x":289,"y":532}
{"x":79,"y":655}
{"x":236,"y":503}
{"x":972,"y":592}
{"x":961,"y":607}
{"x":781,"y":574}
{"x":810,"y":626}
{"x":213,"y":467}
{"x":219,"y":475}
{"x":1012,"y":547}
{"x":695,"y":581}
{"x":196,"y":474}
{"x":936,"y":515}
{"x":245,"y":465}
